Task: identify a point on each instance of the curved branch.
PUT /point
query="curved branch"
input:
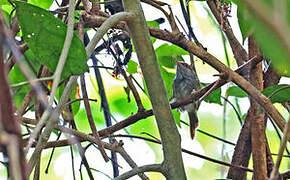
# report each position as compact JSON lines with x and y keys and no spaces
{"x":141,"y":169}
{"x":106,"y":25}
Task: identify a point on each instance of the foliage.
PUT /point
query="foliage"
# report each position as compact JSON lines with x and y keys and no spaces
{"x":45,"y":36}
{"x":40,"y":26}
{"x":268,"y":41}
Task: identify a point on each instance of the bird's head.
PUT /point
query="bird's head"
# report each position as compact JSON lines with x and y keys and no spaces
{"x":182,"y":68}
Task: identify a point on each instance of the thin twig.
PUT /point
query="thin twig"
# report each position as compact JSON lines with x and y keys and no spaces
{"x":91,"y":120}
{"x":286,"y":136}
{"x":141,"y":169}
{"x":134,"y":90}
{"x":130,"y":161}
{"x":28,"y":82}
{"x":188,"y":152}
{"x":210,"y":135}
{"x":109,"y":23}
{"x":50,"y":123}
{"x":80,"y":99}
{"x":64,"y":52}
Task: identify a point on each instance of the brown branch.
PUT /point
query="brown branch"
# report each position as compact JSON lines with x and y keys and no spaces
{"x":239,"y":52}
{"x":134,"y":90}
{"x":8,"y":123}
{"x":86,"y":137}
{"x":129,"y":160}
{"x":146,"y":113}
{"x":242,"y":152}
{"x":12,"y":60}
{"x":285,"y":175}
{"x":91,"y":120}
{"x":271,"y":77}
{"x":258,"y":135}
{"x":116,"y":147}
{"x":283,"y":144}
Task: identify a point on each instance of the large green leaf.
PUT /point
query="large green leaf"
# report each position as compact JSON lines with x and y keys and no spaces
{"x":4,"y":2}
{"x":176,"y":115}
{"x":45,"y":4}
{"x":168,"y":78}
{"x":268,"y":41}
{"x":213,"y":97}
{"x":165,"y":52}
{"x":236,"y":91}
{"x":279,"y":93}
{"x":45,"y":36}
{"x":244,"y":22}
{"x":132,"y":67}
{"x":16,"y":76}
{"x":153,"y":24}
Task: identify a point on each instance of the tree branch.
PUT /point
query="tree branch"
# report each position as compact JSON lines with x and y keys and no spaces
{"x":109,"y":23}
{"x":286,"y":136}
{"x":239,"y":52}
{"x":57,"y":75}
{"x":137,"y":170}
{"x":182,"y":42}
{"x":171,"y":141}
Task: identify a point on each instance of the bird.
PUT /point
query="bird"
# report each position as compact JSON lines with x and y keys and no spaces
{"x":184,"y":83}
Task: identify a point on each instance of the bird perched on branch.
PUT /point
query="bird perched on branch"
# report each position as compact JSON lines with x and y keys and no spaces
{"x":184,"y":83}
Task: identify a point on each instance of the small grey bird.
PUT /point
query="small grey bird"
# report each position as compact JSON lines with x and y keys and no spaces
{"x":184,"y":83}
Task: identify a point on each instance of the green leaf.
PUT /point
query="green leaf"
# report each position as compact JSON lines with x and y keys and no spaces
{"x":176,"y":115}
{"x":145,"y":87}
{"x":279,"y":93}
{"x":5,"y":15}
{"x":164,"y":55}
{"x":4,"y":2}
{"x":244,"y":22}
{"x":16,"y":76}
{"x":45,"y":36}
{"x":153,"y":24}
{"x":244,"y":116}
{"x":213,"y":97}
{"x":168,"y":78}
{"x":132,"y":67}
{"x":267,"y":40}
{"x":45,"y":4}
{"x":273,"y":49}
{"x":165,"y":52}
{"x":236,"y":91}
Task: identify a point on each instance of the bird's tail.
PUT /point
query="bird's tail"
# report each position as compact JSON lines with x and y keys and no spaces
{"x":193,"y":123}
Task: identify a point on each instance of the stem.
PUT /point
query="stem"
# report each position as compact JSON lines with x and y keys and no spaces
{"x":137,"y":170}
{"x":64,"y":52}
{"x":173,"y":163}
